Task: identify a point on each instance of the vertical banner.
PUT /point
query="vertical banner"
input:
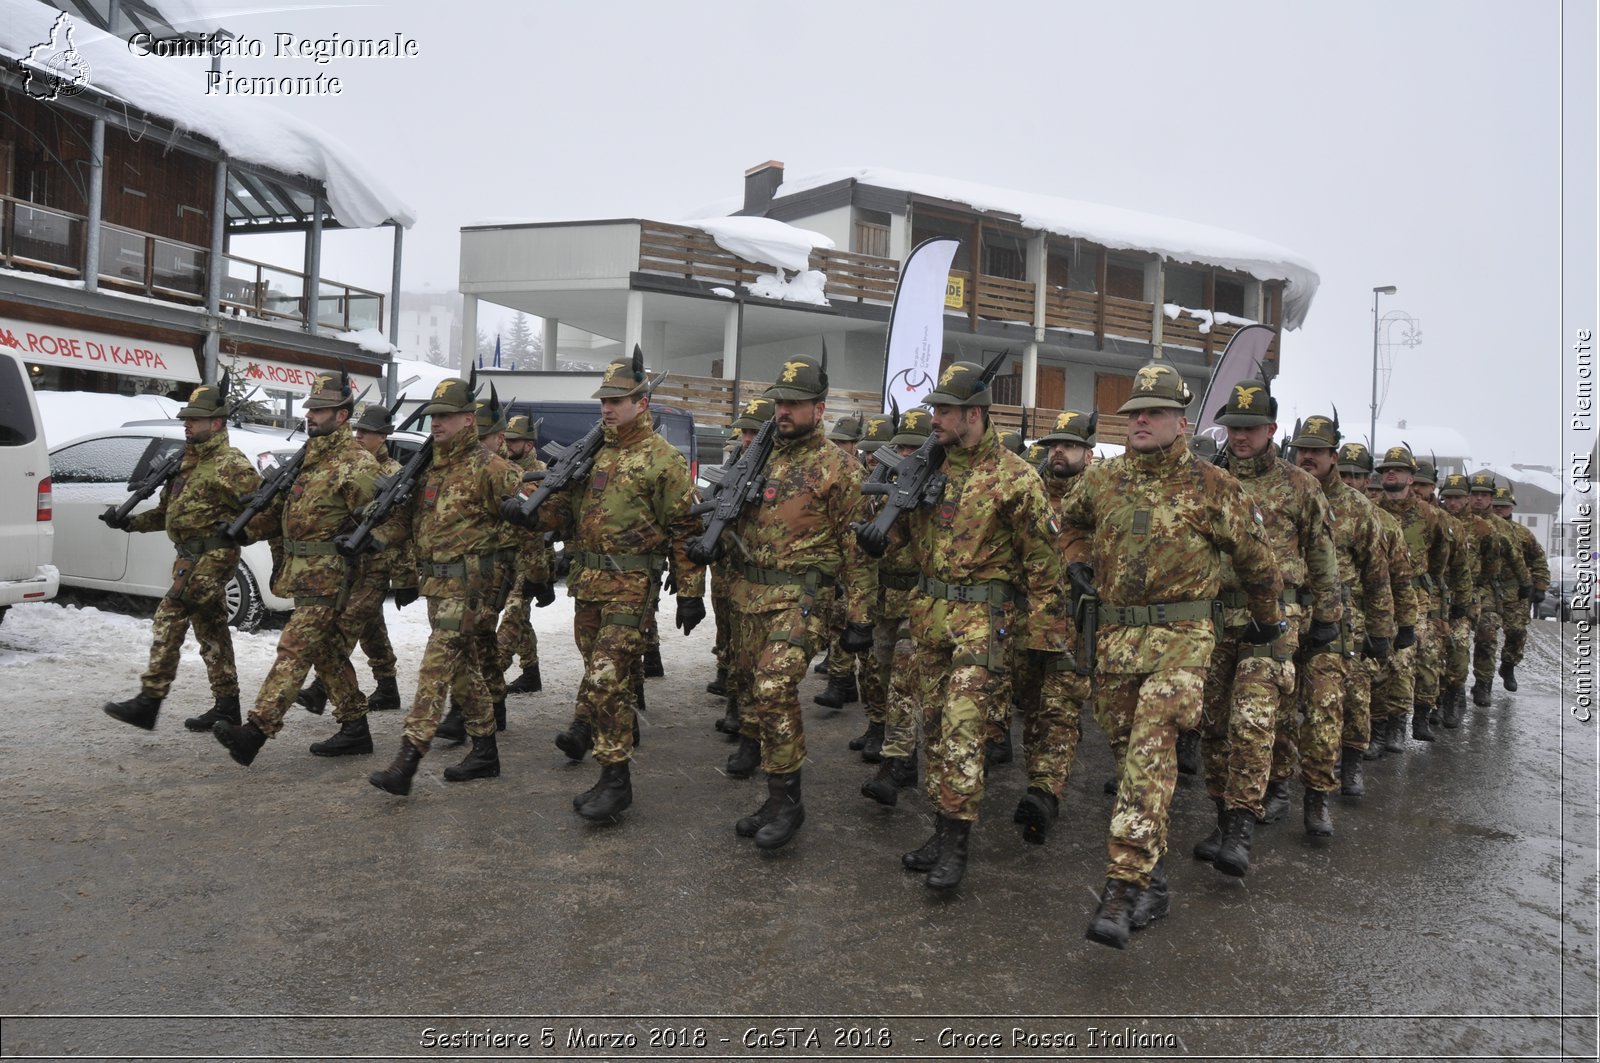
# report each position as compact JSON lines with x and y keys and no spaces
{"x":1237,"y":364}
{"x":916,"y":323}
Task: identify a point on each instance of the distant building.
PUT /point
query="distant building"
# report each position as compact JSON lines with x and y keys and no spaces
{"x":430,"y":319}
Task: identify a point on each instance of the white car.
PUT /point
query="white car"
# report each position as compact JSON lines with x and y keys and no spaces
{"x":27,"y":530}
{"x":95,"y":471}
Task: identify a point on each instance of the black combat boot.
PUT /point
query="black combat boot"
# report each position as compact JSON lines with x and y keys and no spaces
{"x":1452,"y":702}
{"x":997,"y":750}
{"x":500,"y":715}
{"x":386,"y":698}
{"x":481,"y":762}
{"x":1480,"y":694}
{"x":242,"y":742}
{"x":314,"y":698}
{"x":226,"y":710}
{"x":1233,"y":855}
{"x":894,"y":774}
{"x":1189,"y":753}
{"x":1114,"y":918}
{"x":140,"y":711}
{"x":652,"y":663}
{"x":351,"y":738}
{"x":576,"y":740}
{"x":1508,"y":676}
{"x":952,"y":863}
{"x":453,"y":728}
{"x":822,"y":665}
{"x":1206,"y":848}
{"x":528,"y":682}
{"x":924,"y":859}
{"x":1276,"y":804}
{"x":1110,"y":787}
{"x":1352,"y":778}
{"x":834,"y":696}
{"x":782,"y":810}
{"x":743,"y":762}
{"x":1394,"y":733}
{"x":872,"y":748}
{"x":396,"y":778}
{"x":638,"y":695}
{"x":1154,"y":900}
{"x":1374,"y":750}
{"x":1037,"y":812}
{"x":729,"y":723}
{"x":1319,"y":822}
{"x":611,"y":795}
{"x":719,"y":685}
{"x":1421,"y":730}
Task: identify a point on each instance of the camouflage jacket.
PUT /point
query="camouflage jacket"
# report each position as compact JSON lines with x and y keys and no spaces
{"x":336,"y":482}
{"x":1401,"y":582}
{"x":1428,"y":542}
{"x":1070,"y":539}
{"x":810,"y":498}
{"x":1295,"y":516}
{"x":399,"y":564}
{"x":454,"y":517}
{"x":1158,"y":525}
{"x":210,"y":485}
{"x":1363,"y":561}
{"x":634,"y":506}
{"x":1501,"y":566}
{"x":1532,"y":554}
{"x":535,"y":556}
{"x":1463,"y":564}
{"x":994,"y":523}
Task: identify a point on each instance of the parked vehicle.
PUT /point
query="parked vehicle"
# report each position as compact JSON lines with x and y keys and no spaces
{"x":27,"y":526}
{"x":1568,"y":600}
{"x":98,"y":469}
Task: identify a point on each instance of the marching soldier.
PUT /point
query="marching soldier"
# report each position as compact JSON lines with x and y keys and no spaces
{"x":209,"y":486}
{"x":877,"y":667}
{"x":798,"y":545}
{"x":1250,"y":712}
{"x":453,"y":516}
{"x":332,"y":605}
{"x":1532,"y":593}
{"x":1504,"y":582}
{"x":1157,"y":522}
{"x":842,"y":688}
{"x":1368,"y":625}
{"x":988,"y":544}
{"x":737,"y":722}
{"x":1463,"y":612}
{"x":535,"y":566}
{"x":622,"y":528}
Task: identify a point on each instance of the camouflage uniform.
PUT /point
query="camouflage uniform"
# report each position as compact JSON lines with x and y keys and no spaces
{"x":1502,"y":571}
{"x":210,"y":486}
{"x":1428,"y":544}
{"x":888,"y":613}
{"x":1515,"y":618}
{"x":738,"y":721}
{"x":1462,"y":613}
{"x":843,"y":667}
{"x":535,"y":564}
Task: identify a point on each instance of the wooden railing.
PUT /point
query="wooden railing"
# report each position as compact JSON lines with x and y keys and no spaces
{"x":1111,"y":428}
{"x":710,"y":399}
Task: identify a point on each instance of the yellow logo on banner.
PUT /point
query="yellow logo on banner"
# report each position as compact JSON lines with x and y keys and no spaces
{"x":955,"y":292}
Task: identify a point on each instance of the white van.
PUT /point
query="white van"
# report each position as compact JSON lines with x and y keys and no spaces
{"x":27,"y":536}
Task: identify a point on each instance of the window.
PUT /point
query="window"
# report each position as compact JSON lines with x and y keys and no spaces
{"x":1229,"y":297}
{"x":1184,"y":287}
{"x":870,"y":234}
{"x":16,"y":412}
{"x":1124,"y":281}
{"x":1004,"y":255}
{"x":100,"y":461}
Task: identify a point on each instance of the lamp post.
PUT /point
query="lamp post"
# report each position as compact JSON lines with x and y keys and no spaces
{"x":1372,"y":427}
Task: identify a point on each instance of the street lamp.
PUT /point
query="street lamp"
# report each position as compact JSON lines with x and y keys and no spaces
{"x":1372,"y":428}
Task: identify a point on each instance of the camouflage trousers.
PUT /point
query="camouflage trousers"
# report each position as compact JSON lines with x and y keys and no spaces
{"x":1392,"y":691}
{"x":516,"y":637}
{"x":721,"y":648}
{"x":486,"y":633}
{"x":1514,"y":619}
{"x":611,"y":649}
{"x":453,"y":654}
{"x":900,"y":705}
{"x":877,"y":668}
{"x":196,"y":600}
{"x":1145,"y":713}
{"x":1457,"y":652}
{"x":1425,"y":667}
{"x":1050,"y":696}
{"x":366,"y":599}
{"x":843,"y":666}
{"x":1485,"y":645}
{"x":315,"y":635}
{"x":378,"y":649}
{"x":1246,"y":689}
{"x":1357,"y":703}
{"x":1319,"y":705}
{"x":963,"y":685}
{"x":780,"y":643}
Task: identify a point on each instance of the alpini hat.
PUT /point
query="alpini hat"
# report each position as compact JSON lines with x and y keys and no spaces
{"x":1353,"y":457}
{"x":1318,"y":433}
{"x":846,"y":430}
{"x":1012,"y":441}
{"x":624,"y":377}
{"x":206,"y":401}
{"x":802,"y":378}
{"x":451,"y":396}
{"x":1072,"y":427}
{"x":1455,"y":486}
{"x":1503,"y":496}
{"x":958,"y":386}
{"x":1482,"y":483}
{"x":1426,"y":473}
{"x":1251,"y":404}
{"x":877,"y":430}
{"x":757,"y":412}
{"x":329,"y":392}
{"x":374,"y":418}
{"x":520,"y":427}
{"x":491,"y":415}
{"x":1157,"y":386}
{"x":915,"y":426}
{"x":1398,"y":458}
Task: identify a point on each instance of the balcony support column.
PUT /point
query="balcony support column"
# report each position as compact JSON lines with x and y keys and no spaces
{"x":469,"y":334}
{"x":633,"y":323}
{"x":313,"y":287}
{"x":1158,"y":300}
{"x":655,"y":346}
{"x":215,"y":265}
{"x":550,"y":356}
{"x":1038,"y":270}
{"x":391,"y":379}
{"x":97,"y":180}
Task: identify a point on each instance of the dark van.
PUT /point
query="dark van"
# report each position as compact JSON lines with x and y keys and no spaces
{"x":567,"y":422}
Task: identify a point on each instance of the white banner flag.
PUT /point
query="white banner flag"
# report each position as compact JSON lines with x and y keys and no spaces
{"x":916,"y":324}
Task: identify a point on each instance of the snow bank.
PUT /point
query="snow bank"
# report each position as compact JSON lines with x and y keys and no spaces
{"x":764,"y":240}
{"x":246,"y":128}
{"x":1114,"y":227}
{"x":807,"y":286}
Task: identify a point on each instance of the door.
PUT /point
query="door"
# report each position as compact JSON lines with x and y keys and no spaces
{"x":1050,"y":389}
{"x":1111,"y":390}
{"x":88,"y":477}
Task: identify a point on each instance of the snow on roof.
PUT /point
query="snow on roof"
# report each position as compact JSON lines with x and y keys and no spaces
{"x":1424,"y":439}
{"x":1114,"y":227}
{"x":764,"y":240}
{"x":1544,"y":481}
{"x":245,"y":128}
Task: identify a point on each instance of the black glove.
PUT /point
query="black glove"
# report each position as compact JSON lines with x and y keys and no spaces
{"x":221,"y":527}
{"x":1406,"y":636}
{"x":1042,"y":658}
{"x":1525,"y":591}
{"x":404,"y":596}
{"x":1081,"y":576}
{"x":1457,"y":612}
{"x":347,"y":547}
{"x":526,"y":587}
{"x":544,"y":594}
{"x":669,"y":581}
{"x":701,"y":556}
{"x":857,"y":638}
{"x":1322,"y":633}
{"x":874,"y":542}
{"x":1258,"y":634}
{"x":112,"y":521}
{"x":1538,"y":597}
{"x":690,"y":612}
{"x":511,"y":510}
{"x":1375,"y":648}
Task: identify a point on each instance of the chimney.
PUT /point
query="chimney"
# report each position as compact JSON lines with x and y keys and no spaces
{"x":760,"y":182}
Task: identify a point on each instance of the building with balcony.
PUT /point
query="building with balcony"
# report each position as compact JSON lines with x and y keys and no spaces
{"x":1078,"y":295}
{"x":122,"y":190}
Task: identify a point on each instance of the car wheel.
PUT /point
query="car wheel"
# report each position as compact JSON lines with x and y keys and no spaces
{"x":246,"y":608}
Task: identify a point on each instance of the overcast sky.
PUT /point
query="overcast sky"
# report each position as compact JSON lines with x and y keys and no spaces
{"x":1407,"y":142}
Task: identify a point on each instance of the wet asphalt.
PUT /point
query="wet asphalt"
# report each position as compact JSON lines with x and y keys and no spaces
{"x":292,"y":910}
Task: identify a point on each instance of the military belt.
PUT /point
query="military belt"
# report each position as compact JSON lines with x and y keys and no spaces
{"x":484,"y":563}
{"x":191,"y":549}
{"x":1425,"y":581}
{"x":777,"y":577}
{"x":619,"y":562}
{"x":304,"y":548}
{"x":1163,"y":613}
{"x":1237,"y":599}
{"x":995,"y":591}
{"x":898,"y":581}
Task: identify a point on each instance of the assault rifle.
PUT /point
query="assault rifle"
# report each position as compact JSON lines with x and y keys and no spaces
{"x":274,"y":485}
{"x":393,"y":491}
{"x":739,"y":485}
{"x":572,"y":465}
{"x":1086,"y":617}
{"x":917,"y":480}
